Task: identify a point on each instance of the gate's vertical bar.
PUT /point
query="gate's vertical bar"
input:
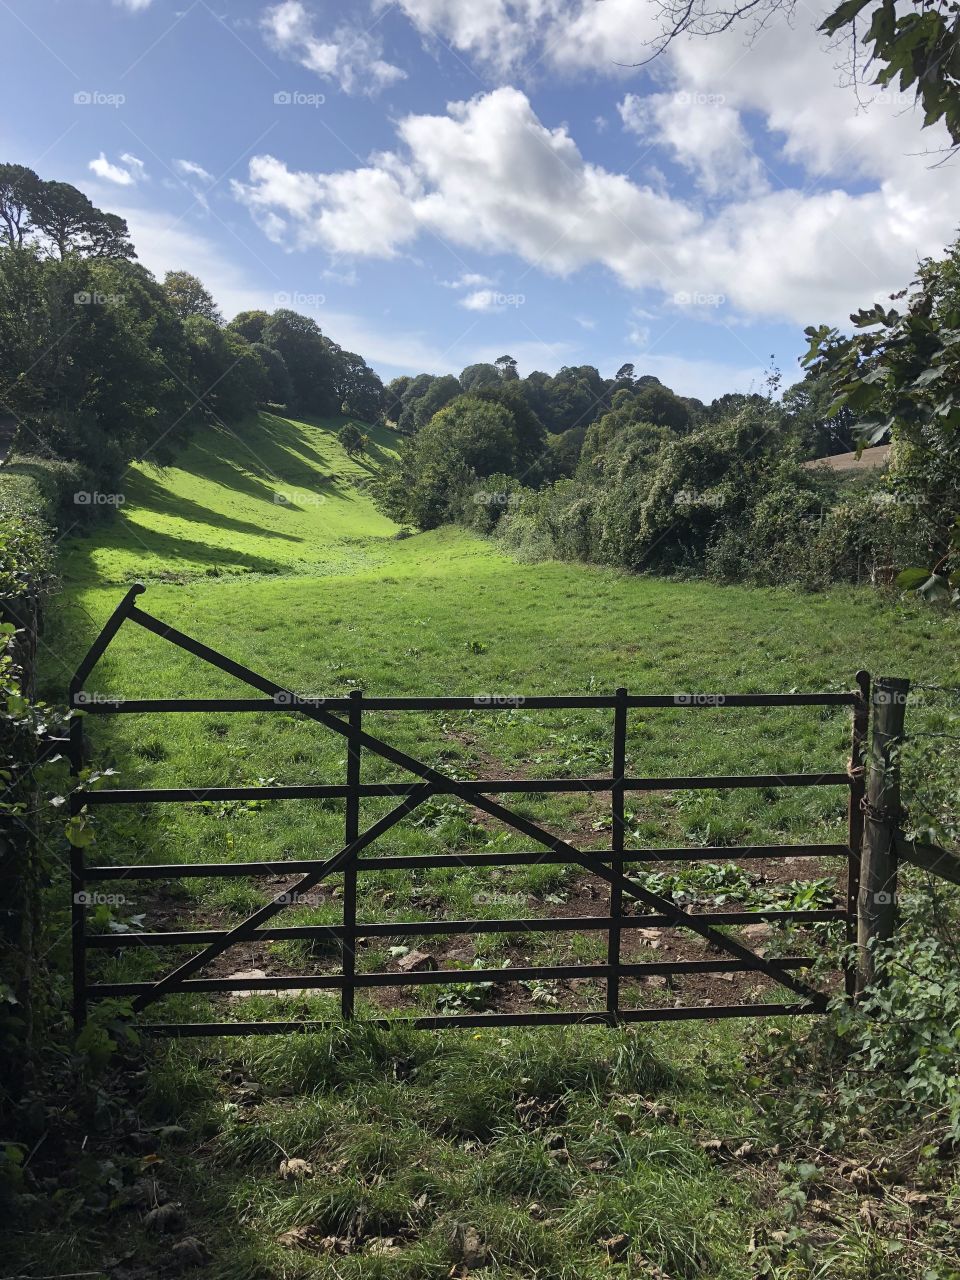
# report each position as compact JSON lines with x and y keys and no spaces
{"x":351,"y":831}
{"x":78,"y":910}
{"x":616,"y":848}
{"x":861,"y":724}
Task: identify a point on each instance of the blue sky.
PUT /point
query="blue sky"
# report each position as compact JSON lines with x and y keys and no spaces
{"x":443,"y":181}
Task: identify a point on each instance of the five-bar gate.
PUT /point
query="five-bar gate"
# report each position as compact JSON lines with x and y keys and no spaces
{"x":345,"y":717}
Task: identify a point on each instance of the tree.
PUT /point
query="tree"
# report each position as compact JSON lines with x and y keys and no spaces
{"x":352,"y":439}
{"x":625,"y":374}
{"x":508,"y":368}
{"x":93,"y":360}
{"x":188,"y":297}
{"x":308,"y":360}
{"x":416,"y":388}
{"x":915,"y":43}
{"x":228,"y":376}
{"x":18,"y":187}
{"x":658,"y":404}
{"x":358,"y":388}
{"x":470,"y":438}
{"x":277,"y":388}
{"x":67,"y":218}
{"x":250,"y":324}
{"x":393,"y":397}
{"x":439,"y":393}
{"x":475,"y":376}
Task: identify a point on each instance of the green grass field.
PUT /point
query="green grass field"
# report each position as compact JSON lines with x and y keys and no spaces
{"x":542,"y":1153}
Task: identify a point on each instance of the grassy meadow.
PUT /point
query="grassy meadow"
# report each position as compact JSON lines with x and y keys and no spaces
{"x":543,"y":1153}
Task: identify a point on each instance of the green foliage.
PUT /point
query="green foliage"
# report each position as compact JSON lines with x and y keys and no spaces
{"x":918,"y":49}
{"x":351,"y":438}
{"x":470,"y":438}
{"x":900,"y":376}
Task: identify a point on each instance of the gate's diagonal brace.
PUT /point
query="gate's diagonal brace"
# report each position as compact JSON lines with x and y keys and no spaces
{"x":315,"y":712}
{"x":683,"y":918}
{"x":309,"y":881}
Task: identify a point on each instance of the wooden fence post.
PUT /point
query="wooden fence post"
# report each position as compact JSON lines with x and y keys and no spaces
{"x":877,"y":905}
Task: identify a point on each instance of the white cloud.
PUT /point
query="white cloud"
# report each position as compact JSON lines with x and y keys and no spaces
{"x":349,"y":55}
{"x":126,"y":174}
{"x":499,"y":33}
{"x":134,"y":6}
{"x":489,"y":176}
{"x":469,"y":280}
{"x":190,"y":169}
{"x":483,"y":300}
{"x":703,"y":134}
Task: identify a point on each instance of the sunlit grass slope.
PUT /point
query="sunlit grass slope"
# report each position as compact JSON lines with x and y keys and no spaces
{"x":273,"y":495}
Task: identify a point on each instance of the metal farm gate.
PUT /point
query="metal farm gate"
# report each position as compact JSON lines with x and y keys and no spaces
{"x":345,"y":716}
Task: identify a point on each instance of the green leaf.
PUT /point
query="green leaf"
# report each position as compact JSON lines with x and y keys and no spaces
{"x":912,"y":579}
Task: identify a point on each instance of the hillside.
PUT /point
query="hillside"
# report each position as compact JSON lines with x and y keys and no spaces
{"x":274,"y":495}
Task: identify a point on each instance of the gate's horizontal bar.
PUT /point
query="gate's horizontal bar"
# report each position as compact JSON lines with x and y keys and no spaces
{"x":452,"y":1021}
{"x":487,"y":702}
{"x":440,"y":977}
{"x":400,"y":862}
{"x":428,"y":928}
{"x":491,"y":786}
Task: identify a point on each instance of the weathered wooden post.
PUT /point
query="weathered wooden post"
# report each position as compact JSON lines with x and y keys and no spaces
{"x":877,"y":906}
